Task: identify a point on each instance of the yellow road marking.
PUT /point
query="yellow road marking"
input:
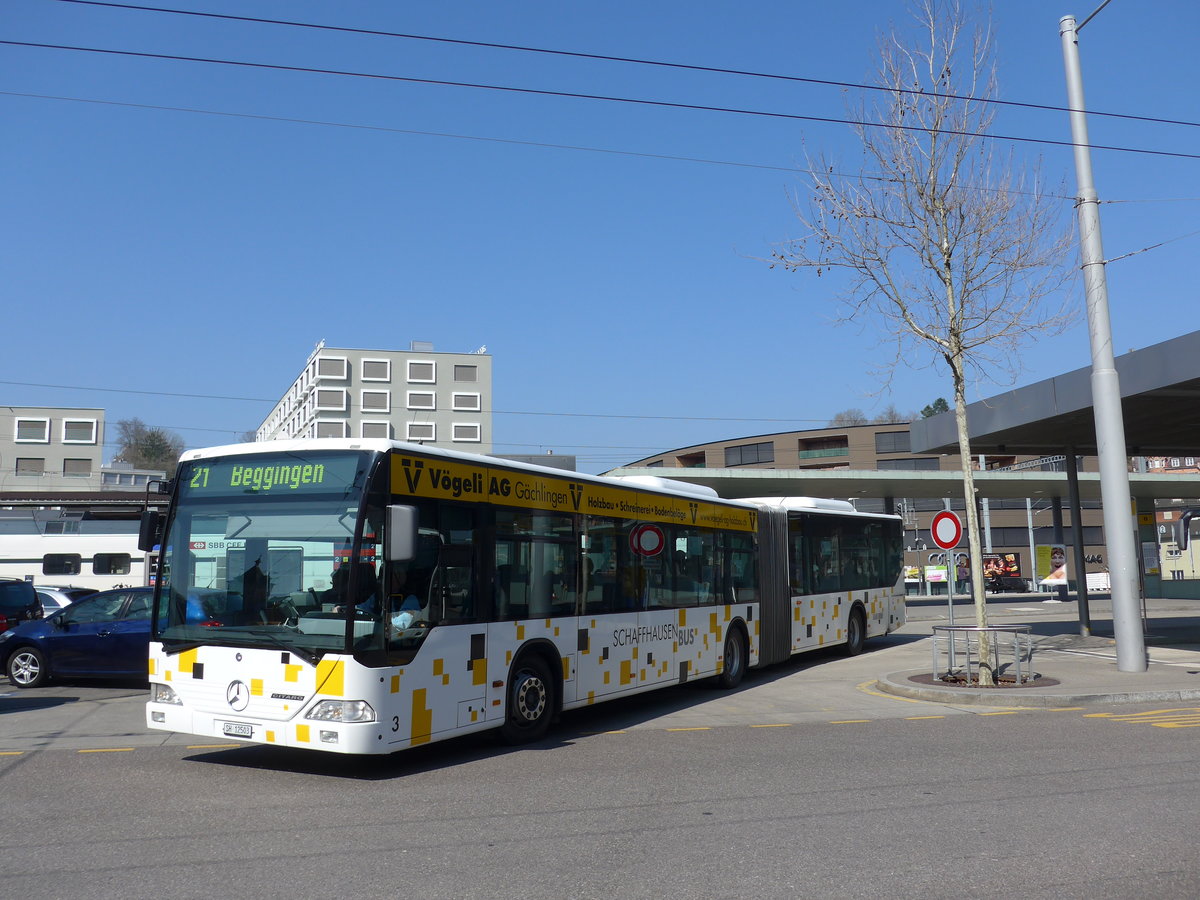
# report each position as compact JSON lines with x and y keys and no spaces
{"x":211,"y":746}
{"x":603,"y":732}
{"x":1003,"y":712}
{"x":865,"y":687}
{"x":916,"y":718}
{"x":700,"y":728}
{"x":11,"y":752}
{"x":774,"y":725}
{"x":1179,"y":717}
{"x":109,"y":750}
{"x":851,"y":722}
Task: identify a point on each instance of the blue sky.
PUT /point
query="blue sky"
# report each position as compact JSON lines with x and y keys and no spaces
{"x":621,"y":294}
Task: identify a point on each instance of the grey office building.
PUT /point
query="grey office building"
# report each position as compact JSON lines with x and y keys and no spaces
{"x":419,"y":395}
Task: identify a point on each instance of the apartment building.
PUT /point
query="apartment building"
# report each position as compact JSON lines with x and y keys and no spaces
{"x":419,"y":394}
{"x":46,"y":449}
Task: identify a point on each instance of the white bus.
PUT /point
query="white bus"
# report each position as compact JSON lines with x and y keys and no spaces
{"x":71,"y":548}
{"x":369,"y":596}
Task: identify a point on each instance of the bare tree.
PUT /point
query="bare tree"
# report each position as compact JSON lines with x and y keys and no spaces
{"x":954,"y":254}
{"x":148,"y":447}
{"x":889,"y":415}
{"x":851,"y":416}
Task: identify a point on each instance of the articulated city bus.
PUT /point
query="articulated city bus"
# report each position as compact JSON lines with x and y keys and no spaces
{"x":369,"y":596}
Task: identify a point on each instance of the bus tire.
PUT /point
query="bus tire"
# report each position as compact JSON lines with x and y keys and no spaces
{"x":27,"y":668}
{"x":736,"y":654}
{"x":856,"y":631}
{"x":530,"y":700}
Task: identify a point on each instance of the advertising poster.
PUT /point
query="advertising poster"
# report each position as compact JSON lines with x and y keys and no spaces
{"x":935,"y":574}
{"x":1051,"y":564}
{"x":1002,"y":565}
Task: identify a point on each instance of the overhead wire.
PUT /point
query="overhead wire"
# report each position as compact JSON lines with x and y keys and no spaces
{"x":580,"y":95}
{"x":826,"y":82}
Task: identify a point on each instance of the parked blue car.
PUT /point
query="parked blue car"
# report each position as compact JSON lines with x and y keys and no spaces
{"x":105,"y":635}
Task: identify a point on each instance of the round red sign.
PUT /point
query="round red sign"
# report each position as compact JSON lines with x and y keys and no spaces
{"x":946,"y":530}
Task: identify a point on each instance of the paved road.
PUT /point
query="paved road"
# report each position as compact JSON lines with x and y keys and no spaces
{"x":936,"y":803}
{"x":805,"y":782}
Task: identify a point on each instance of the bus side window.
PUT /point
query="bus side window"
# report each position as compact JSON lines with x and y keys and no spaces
{"x":743,"y":569}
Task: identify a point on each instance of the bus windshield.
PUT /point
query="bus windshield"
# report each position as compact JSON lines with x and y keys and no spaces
{"x":270,"y":550}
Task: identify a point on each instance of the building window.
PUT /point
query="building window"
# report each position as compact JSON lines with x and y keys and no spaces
{"x":376,"y":430}
{"x":331,"y":400}
{"x":750,"y":454}
{"x":31,"y":466}
{"x":77,"y":468}
{"x":466,"y":431}
{"x":331,"y":429}
{"x":422,"y":400}
{"x":421,"y":431}
{"x":422,"y":372}
{"x":332,"y":367}
{"x":111,"y":564}
{"x":376,"y":370}
{"x":33,"y":431}
{"x":465,"y":402}
{"x":892,"y":442}
{"x":61,"y":564}
{"x":377,"y":401}
{"x":466,"y":373}
{"x":79,"y":431}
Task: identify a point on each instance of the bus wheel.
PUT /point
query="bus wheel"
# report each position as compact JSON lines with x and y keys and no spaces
{"x":530,"y":701}
{"x":735,"y":659}
{"x":27,"y":668}
{"x":856,"y":632}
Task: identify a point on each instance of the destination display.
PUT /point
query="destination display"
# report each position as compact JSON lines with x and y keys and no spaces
{"x":273,"y":474}
{"x":445,"y":480}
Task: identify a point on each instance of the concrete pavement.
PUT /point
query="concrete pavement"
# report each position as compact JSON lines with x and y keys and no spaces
{"x":1072,"y":669}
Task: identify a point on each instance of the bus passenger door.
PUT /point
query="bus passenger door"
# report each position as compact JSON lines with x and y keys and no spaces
{"x":608,"y":607}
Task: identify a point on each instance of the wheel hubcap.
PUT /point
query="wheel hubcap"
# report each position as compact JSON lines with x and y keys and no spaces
{"x":25,"y":668}
{"x":531,"y":697}
{"x":733,"y":654}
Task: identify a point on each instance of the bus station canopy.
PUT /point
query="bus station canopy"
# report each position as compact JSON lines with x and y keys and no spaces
{"x":1160,"y":405}
{"x":1160,"y":400}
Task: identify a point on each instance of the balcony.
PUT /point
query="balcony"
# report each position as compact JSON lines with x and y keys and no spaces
{"x":824,"y":452}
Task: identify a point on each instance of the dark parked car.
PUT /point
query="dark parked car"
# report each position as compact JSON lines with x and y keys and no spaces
{"x":18,"y":603}
{"x":105,"y":635}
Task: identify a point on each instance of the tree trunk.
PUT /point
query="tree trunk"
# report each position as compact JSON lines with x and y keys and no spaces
{"x":986,"y":675}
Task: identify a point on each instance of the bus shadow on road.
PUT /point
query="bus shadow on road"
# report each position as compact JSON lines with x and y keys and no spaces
{"x":446,"y":754}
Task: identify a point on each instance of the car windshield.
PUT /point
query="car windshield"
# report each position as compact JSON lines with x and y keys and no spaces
{"x":268,"y":569}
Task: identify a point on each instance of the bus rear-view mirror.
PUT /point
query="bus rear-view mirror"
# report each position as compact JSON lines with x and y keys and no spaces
{"x":401,"y":533}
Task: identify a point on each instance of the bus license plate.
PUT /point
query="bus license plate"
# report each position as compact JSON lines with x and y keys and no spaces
{"x":238,"y":729}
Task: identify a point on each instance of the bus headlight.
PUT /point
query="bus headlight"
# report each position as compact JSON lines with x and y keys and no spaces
{"x":164,"y":693}
{"x":342,"y":711}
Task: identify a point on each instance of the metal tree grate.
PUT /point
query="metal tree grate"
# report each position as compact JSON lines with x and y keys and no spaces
{"x":957,"y":655}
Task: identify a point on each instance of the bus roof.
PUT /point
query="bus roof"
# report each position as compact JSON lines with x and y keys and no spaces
{"x":815,"y":504}
{"x":382,"y":445}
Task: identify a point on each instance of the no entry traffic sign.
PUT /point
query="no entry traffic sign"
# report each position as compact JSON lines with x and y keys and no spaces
{"x":946,"y":530}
